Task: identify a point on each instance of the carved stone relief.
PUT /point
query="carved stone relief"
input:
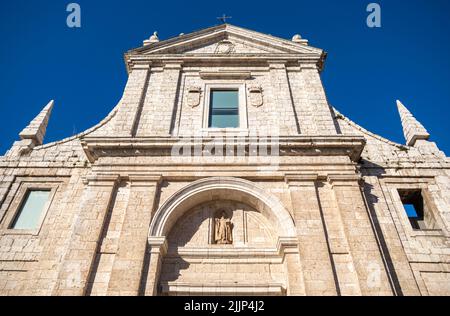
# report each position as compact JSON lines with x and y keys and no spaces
{"x":225,"y":47}
{"x":194,"y":96}
{"x":255,"y":95}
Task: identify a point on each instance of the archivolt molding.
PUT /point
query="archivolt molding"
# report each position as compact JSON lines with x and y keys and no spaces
{"x":209,"y":189}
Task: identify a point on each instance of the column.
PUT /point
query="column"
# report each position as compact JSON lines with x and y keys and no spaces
{"x":77,"y":262}
{"x":314,"y":250}
{"x":157,"y":248}
{"x":366,"y":254}
{"x":128,"y":264}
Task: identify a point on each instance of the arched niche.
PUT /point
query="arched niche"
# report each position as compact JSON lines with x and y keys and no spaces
{"x":219,"y":188}
{"x":205,"y":268}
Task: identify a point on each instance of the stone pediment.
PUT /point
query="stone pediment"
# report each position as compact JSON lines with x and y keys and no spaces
{"x":226,"y":40}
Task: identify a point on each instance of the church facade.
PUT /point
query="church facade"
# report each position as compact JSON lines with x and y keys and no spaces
{"x":223,"y":170}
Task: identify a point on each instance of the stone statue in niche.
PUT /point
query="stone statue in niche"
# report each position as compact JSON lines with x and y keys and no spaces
{"x":223,"y":229}
{"x":255,"y":96}
{"x":194,"y":94}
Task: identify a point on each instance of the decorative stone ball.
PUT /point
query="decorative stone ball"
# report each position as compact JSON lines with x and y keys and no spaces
{"x":297,"y":38}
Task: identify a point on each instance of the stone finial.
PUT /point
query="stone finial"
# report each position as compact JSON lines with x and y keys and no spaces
{"x":35,"y":131}
{"x":298,"y":39}
{"x":153,"y":39}
{"x":412,"y":129}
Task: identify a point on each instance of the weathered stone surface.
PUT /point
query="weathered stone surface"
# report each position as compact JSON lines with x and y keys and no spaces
{"x":323,"y":217}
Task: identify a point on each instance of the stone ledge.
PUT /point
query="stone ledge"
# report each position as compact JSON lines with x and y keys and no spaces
{"x":208,"y":75}
{"x":351,"y":146}
{"x":187,"y":288}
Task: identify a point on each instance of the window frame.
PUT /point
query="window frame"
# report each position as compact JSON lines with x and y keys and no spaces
{"x":420,"y":209}
{"x":212,"y":108}
{"x":19,"y":201}
{"x":242,"y":108}
{"x":392,"y":186}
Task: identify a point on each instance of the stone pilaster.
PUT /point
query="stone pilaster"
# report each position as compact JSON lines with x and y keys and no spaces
{"x":344,"y":268}
{"x":317,"y":100}
{"x":289,"y":247}
{"x":400,"y":269}
{"x":157,"y":247}
{"x":365,"y":251}
{"x":314,"y":250}
{"x":127,"y":117}
{"x":284,"y":109}
{"x":77,"y":263}
{"x":164,"y":115}
{"x":128,"y":263}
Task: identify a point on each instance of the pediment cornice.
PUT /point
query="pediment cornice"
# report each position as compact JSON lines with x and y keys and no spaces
{"x":207,"y":45}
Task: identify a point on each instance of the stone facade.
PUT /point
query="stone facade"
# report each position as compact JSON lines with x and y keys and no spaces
{"x":324,"y":216}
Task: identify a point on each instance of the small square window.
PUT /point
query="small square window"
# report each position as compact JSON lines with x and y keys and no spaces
{"x":224,"y":109}
{"x":415,"y":208}
{"x":31,"y":210}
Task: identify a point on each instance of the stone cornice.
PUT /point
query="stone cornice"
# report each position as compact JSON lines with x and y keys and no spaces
{"x":351,"y":146}
{"x":296,"y":180}
{"x":284,"y":245}
{"x":307,"y":59}
{"x":101,"y":179}
{"x":344,"y":179}
{"x":144,"y":180}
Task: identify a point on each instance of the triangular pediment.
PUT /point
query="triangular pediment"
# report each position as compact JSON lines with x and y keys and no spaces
{"x":226,"y":40}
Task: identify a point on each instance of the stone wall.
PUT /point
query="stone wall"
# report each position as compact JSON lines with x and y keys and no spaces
{"x":324,"y":220}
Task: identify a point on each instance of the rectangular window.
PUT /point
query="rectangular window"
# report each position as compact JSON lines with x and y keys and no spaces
{"x":224,"y":109}
{"x":415,"y":208}
{"x":31,"y":210}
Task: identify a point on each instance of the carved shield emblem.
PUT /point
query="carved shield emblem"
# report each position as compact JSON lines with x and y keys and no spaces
{"x":193,"y":98}
{"x":225,"y":47}
{"x":255,"y":96}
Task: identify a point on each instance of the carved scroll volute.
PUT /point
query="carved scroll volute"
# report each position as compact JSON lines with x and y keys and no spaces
{"x":194,"y":95}
{"x":255,"y":95}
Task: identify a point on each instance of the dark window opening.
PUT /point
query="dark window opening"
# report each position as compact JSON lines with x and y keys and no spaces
{"x":414,"y":206}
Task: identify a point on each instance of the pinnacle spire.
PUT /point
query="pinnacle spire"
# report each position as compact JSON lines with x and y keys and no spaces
{"x":412,"y":128}
{"x":35,"y":131}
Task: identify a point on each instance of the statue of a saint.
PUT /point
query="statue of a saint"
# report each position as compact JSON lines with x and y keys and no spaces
{"x":223,"y":230}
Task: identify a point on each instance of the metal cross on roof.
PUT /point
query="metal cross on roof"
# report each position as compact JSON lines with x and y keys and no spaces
{"x":224,"y":18}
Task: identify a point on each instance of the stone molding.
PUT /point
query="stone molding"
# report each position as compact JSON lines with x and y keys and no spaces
{"x":211,"y":75}
{"x":344,"y":179}
{"x":351,"y":146}
{"x":157,"y":245}
{"x":182,"y":288}
{"x":301,"y":180}
{"x":178,"y":203}
{"x":101,"y":179}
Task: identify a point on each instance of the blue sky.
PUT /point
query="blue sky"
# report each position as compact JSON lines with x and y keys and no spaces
{"x":83,"y":69}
